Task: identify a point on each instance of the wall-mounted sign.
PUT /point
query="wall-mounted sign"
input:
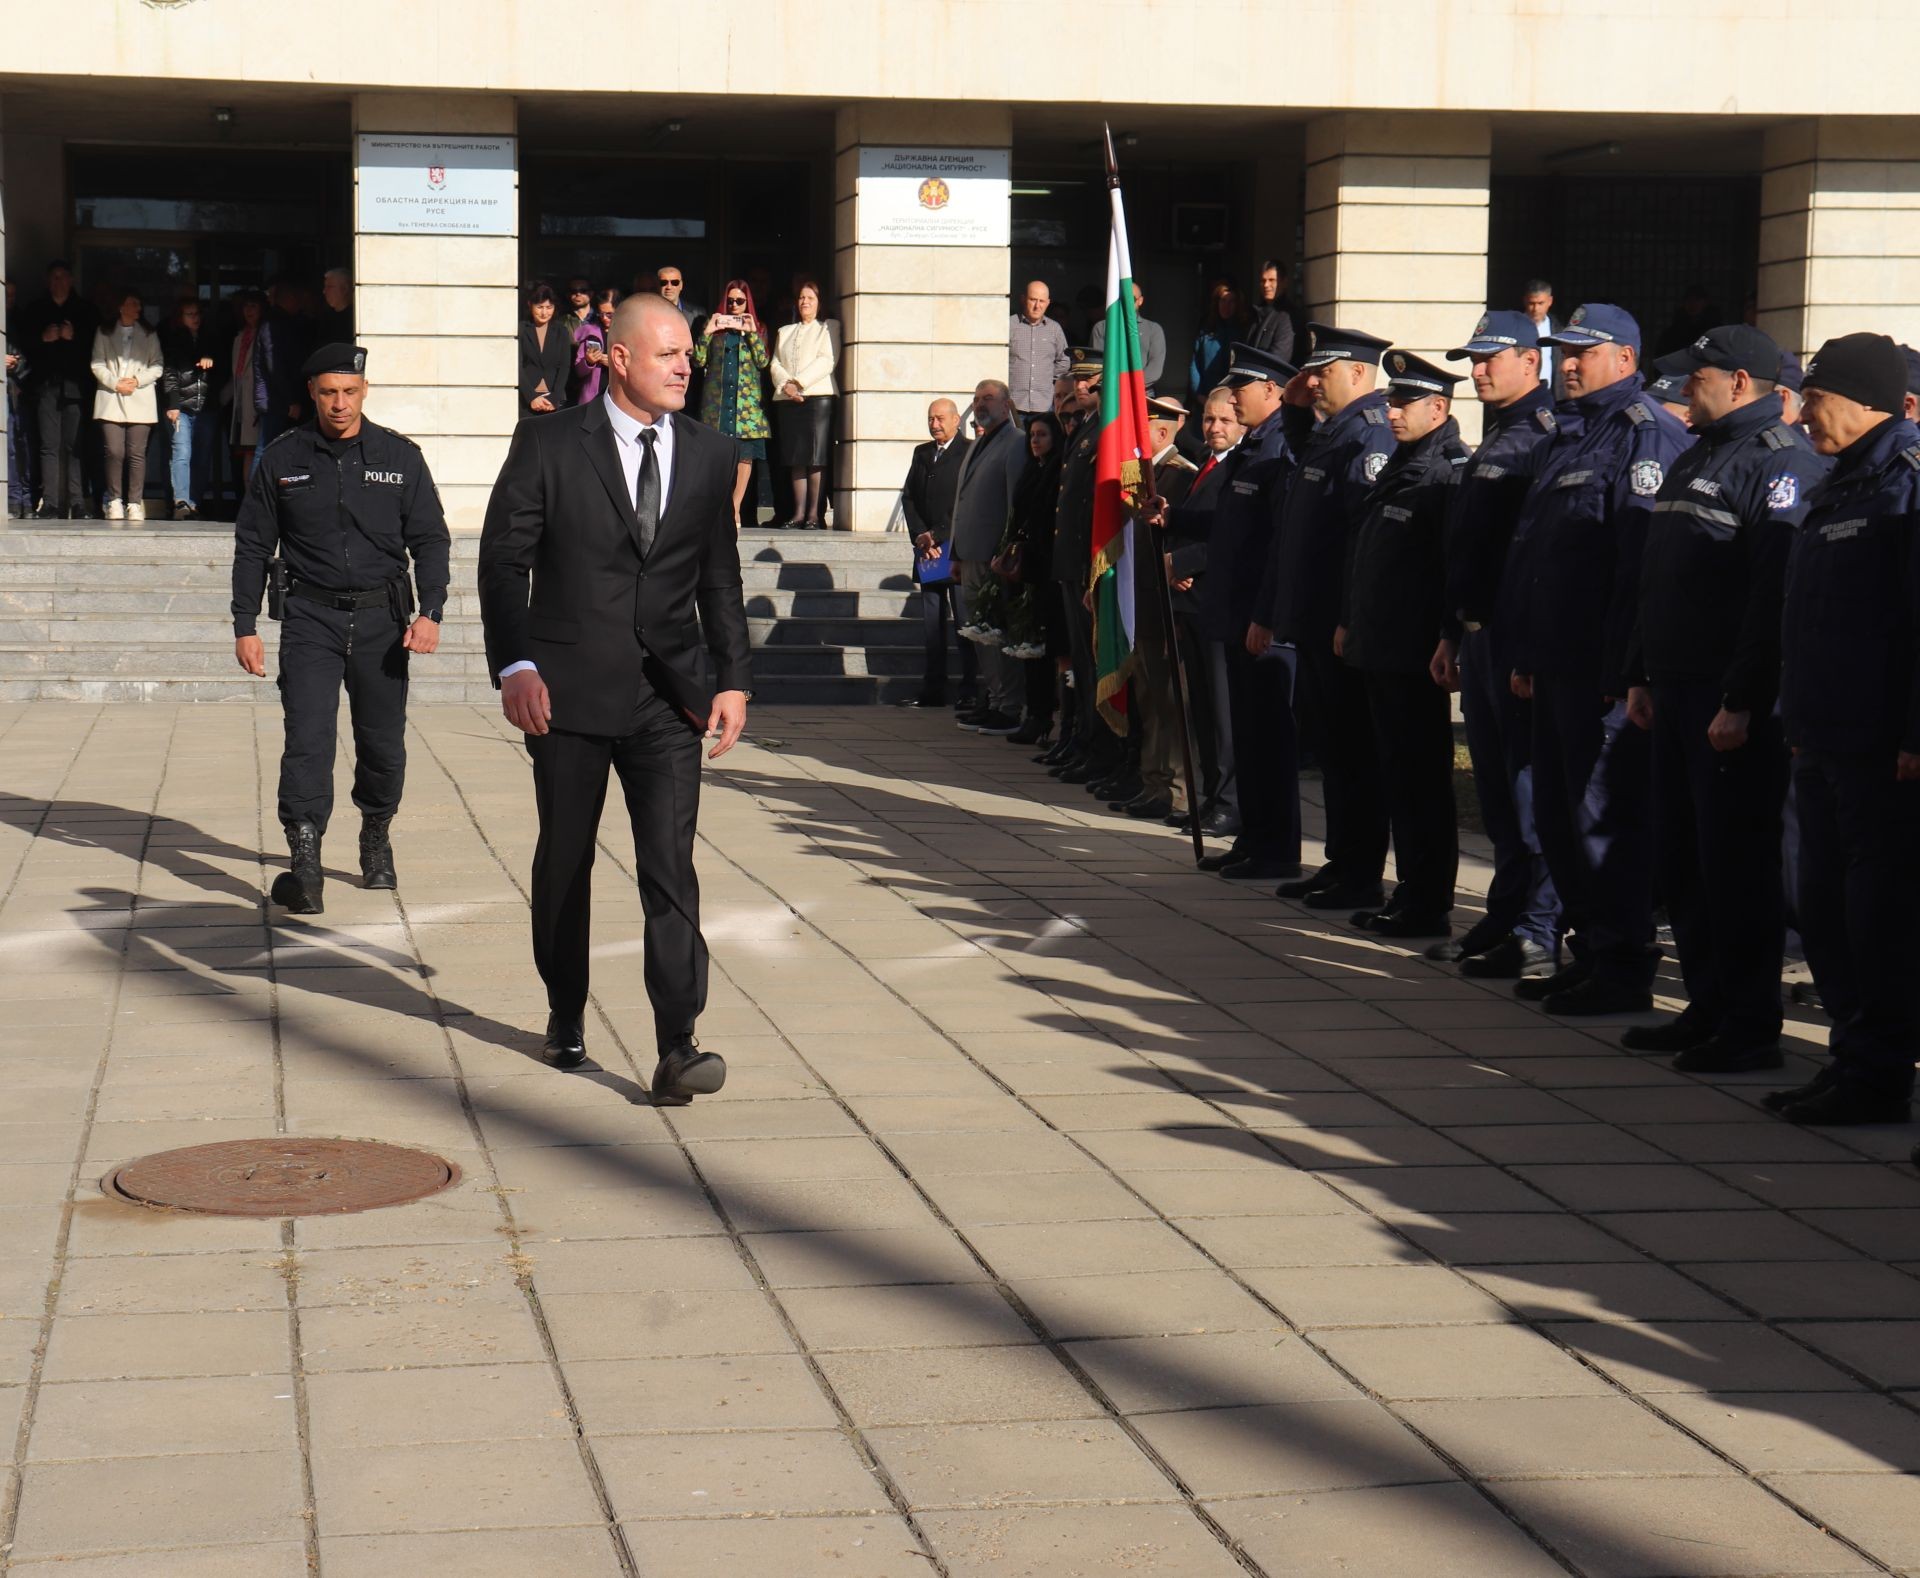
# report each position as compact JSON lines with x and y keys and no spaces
{"x":933,"y":197}
{"x":437,"y":186}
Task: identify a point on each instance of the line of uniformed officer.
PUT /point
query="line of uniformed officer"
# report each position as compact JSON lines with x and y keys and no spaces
{"x":334,"y":510}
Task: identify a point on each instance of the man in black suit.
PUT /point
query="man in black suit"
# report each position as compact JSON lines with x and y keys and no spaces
{"x":610,"y":524}
{"x":933,"y":481}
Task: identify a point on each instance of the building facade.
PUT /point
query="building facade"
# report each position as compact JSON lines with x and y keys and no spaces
{"x":1410,"y":162}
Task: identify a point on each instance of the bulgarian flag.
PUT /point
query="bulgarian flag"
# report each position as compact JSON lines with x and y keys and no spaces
{"x":1122,"y":473}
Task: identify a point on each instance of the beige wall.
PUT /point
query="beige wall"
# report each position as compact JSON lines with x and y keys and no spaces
{"x":1707,"y":57}
{"x":919,"y":322}
{"x":1840,"y":230}
{"x":438,"y":316}
{"x":1397,"y":230}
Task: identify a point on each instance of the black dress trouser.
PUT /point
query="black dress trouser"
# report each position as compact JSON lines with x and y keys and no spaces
{"x":1337,"y":721}
{"x":320,"y":650}
{"x":62,"y":424}
{"x":659,"y":768}
{"x":1413,"y":737}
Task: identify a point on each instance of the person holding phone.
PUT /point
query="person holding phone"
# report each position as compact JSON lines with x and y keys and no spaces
{"x":732,"y":352}
{"x":590,"y":348}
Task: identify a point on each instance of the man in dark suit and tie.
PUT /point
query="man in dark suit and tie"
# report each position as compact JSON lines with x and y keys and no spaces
{"x":611,"y":524}
{"x":933,"y":480}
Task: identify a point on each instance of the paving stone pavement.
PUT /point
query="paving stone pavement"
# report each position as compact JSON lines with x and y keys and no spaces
{"x":1067,"y":1212}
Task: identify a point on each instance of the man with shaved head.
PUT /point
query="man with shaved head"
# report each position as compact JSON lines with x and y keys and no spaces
{"x":609,"y":529}
{"x":1036,"y":353}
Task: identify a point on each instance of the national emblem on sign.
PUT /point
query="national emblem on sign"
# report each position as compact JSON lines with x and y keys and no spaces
{"x":436,"y":176}
{"x":1783,"y":492}
{"x":1645,"y":478}
{"x":935,"y":194}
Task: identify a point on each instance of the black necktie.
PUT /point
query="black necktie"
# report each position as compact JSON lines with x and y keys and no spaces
{"x":646,"y":494}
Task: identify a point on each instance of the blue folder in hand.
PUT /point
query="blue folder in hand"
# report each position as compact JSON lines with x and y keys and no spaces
{"x":931,"y":572}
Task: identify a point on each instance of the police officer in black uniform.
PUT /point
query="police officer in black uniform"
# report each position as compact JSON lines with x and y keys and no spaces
{"x":344,"y":503}
{"x":1707,"y":661}
{"x":1707,"y":658}
{"x":1520,"y":932}
{"x":1850,"y":703}
{"x":1392,"y":617}
{"x":1341,"y":456}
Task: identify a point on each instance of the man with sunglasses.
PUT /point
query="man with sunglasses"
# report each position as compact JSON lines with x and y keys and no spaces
{"x":672,"y":283}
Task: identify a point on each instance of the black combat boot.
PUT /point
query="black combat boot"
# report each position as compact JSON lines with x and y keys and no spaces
{"x":376,"y":853}
{"x":298,"y":891}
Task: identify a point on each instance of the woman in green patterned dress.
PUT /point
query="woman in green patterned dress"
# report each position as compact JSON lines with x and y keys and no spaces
{"x":732,"y":351}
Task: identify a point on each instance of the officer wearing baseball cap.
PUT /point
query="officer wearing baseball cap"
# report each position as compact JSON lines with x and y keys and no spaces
{"x":1850,"y":703}
{"x":335,"y":509}
{"x":1520,"y":931}
{"x":1570,"y":599}
{"x":1393,"y":613}
{"x":1341,"y":456}
{"x":1706,"y":662}
{"x":1259,"y":683}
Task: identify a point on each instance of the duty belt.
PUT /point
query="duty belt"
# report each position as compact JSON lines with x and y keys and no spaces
{"x":379,"y":597}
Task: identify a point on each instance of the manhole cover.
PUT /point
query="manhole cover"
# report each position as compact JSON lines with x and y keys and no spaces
{"x":281,"y":1177}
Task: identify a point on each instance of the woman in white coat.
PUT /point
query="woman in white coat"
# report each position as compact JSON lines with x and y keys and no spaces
{"x":805,"y":357}
{"x":126,"y":366}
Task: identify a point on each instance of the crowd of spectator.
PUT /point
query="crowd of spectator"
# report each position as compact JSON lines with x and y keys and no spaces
{"x":757,"y":383}
{"x":106,"y":385}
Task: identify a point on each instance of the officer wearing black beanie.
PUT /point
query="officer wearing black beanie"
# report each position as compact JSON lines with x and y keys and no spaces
{"x":1850,"y":704}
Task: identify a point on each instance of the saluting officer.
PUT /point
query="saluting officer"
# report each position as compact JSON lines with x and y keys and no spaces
{"x":1520,"y":932}
{"x":1341,"y":457}
{"x":345,"y":503}
{"x":1850,"y":700}
{"x":1574,"y":591}
{"x":1392,"y":616}
{"x":1707,"y":655}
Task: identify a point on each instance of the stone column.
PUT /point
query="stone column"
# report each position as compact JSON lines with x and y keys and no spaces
{"x":439,"y":315}
{"x":6,"y":431}
{"x":919,"y":321}
{"x":1396,"y":227}
{"x":1840,"y":229}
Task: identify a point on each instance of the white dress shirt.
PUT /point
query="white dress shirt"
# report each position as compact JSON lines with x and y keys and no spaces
{"x":626,"y":443}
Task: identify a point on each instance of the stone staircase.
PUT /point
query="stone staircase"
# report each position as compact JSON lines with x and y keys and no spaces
{"x":89,"y":612}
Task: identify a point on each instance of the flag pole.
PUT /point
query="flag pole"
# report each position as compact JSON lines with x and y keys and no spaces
{"x":1162,"y":580}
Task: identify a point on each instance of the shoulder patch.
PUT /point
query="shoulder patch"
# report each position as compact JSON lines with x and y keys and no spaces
{"x":1547,"y":420}
{"x":1783,"y":491}
{"x":1777,"y":436}
{"x":1645,"y":478}
{"x":1912,"y":456}
{"x":1376,"y":463}
{"x":1637,"y":414}
{"x":1376,"y":416}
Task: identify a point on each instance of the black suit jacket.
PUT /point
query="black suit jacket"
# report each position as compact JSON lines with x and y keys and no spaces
{"x":560,"y":518}
{"x":551,"y":364}
{"x":932,"y":481}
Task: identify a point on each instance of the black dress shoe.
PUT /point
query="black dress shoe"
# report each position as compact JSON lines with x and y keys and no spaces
{"x":1220,"y":824}
{"x":1515,"y":959}
{"x":1594,"y":998}
{"x":1121,"y":786}
{"x":1153,"y":810}
{"x":1538,"y":988}
{"x":1346,"y":896}
{"x":1220,"y":862}
{"x":566,"y":1043}
{"x":1477,"y":938}
{"x":684,"y":1071}
{"x":1823,"y":1081}
{"x":1060,"y":752}
{"x":1254,"y":868}
{"x":1326,"y":877}
{"x":1408,"y":923}
{"x":1842,"y":1106}
{"x":1032,"y":732}
{"x":1683,"y":1034}
{"x":1078,"y":773}
{"x":1725,"y":1057}
{"x":929,"y":703}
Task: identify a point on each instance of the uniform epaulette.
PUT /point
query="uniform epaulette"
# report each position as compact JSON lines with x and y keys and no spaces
{"x":1376,"y":416}
{"x":1547,"y":420}
{"x":284,"y":433}
{"x":1777,"y":436}
{"x":1637,"y":414}
{"x":1912,"y":456}
{"x":1179,"y":462}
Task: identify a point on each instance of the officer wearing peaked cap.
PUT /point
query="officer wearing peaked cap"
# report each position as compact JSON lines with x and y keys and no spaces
{"x":1706,"y":660}
{"x":334,"y":511}
{"x":1341,"y":456}
{"x":1850,"y":704}
{"x":1394,"y":611}
{"x":1520,"y":931}
{"x":1570,"y":597}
